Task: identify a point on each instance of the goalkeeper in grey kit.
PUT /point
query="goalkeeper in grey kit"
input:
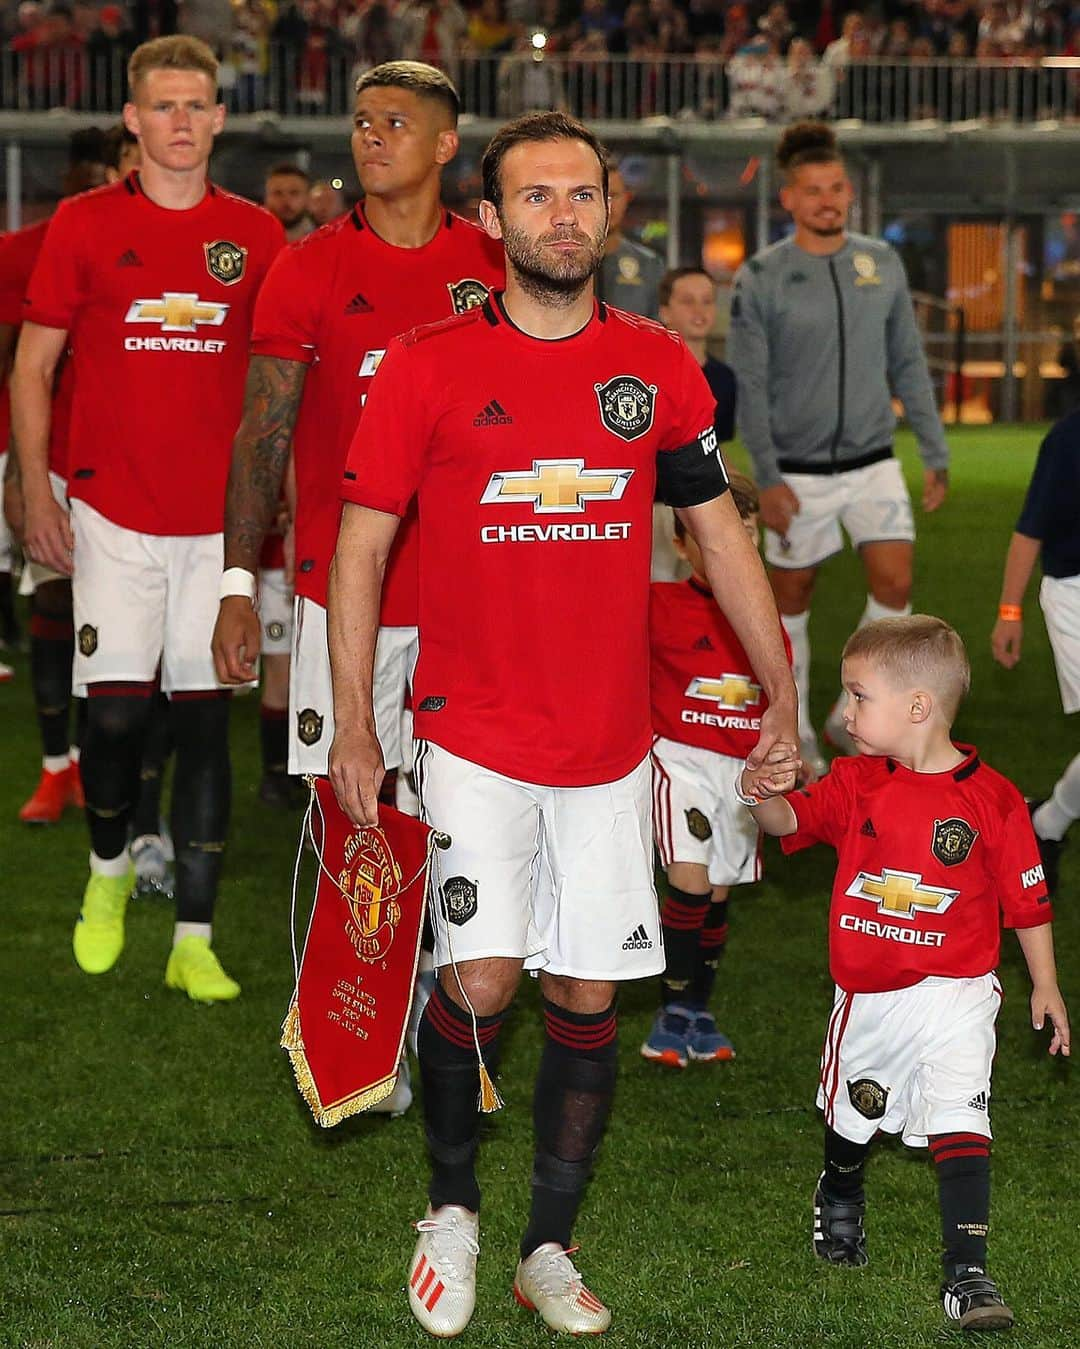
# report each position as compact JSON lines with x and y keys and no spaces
{"x":823,"y":335}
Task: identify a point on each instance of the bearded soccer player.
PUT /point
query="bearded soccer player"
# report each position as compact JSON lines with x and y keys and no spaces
{"x":533,"y":433}
{"x":152,"y":283}
{"x":329,"y":309}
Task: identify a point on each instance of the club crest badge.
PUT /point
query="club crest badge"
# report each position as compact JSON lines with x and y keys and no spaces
{"x":275,"y":630}
{"x":225,"y":261}
{"x":369,"y":882}
{"x":626,"y":406}
{"x":459,"y":900}
{"x":866,"y":271}
{"x":868,"y":1097}
{"x":309,"y":726}
{"x":466,"y":294}
{"x":698,"y":824}
{"x":87,"y":640}
{"x":953,"y":841}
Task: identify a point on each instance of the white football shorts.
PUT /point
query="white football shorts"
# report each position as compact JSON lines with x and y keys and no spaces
{"x":275,"y":612}
{"x":913,"y":1062}
{"x":1060,"y":600}
{"x":311,"y":696}
{"x":872,"y":504}
{"x":696,"y":817}
{"x":34,"y":573}
{"x":141,"y":599}
{"x":559,"y":877}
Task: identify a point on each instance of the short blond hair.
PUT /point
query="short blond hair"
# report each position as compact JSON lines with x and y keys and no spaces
{"x":172,"y":53}
{"x":918,"y":650}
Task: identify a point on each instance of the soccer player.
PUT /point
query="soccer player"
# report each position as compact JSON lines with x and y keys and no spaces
{"x":630,"y":273}
{"x":152,"y":282}
{"x":286,"y":196}
{"x":532,"y":432}
{"x":52,"y":636}
{"x":706,"y":713}
{"x":1048,"y":531}
{"x":324,"y":319}
{"x":822,"y":336}
{"x":687,"y":297}
{"x":930,"y":842}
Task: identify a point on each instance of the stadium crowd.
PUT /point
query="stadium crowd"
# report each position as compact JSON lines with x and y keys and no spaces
{"x":778,"y":60}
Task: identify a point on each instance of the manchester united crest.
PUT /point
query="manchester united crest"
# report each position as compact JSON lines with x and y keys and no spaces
{"x":87,"y":640}
{"x":225,"y":261}
{"x":466,"y":294}
{"x":953,"y":840}
{"x":369,"y":883}
{"x":459,"y":898}
{"x":275,"y":630}
{"x":308,"y":726}
{"x":698,"y":824}
{"x":868,"y":1097}
{"x":626,"y":406}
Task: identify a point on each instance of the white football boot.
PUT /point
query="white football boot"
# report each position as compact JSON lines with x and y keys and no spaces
{"x":547,"y":1282}
{"x":442,"y":1276}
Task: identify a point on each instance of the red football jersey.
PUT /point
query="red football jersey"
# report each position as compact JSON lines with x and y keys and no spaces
{"x":158,"y":306}
{"x":334,"y":300}
{"x":534,"y":467}
{"x":927,"y":865}
{"x":702,"y":683}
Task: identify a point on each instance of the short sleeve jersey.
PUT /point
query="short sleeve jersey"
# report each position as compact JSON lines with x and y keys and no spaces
{"x":334,"y":300}
{"x":534,"y":465}
{"x":18,"y":256}
{"x":928,"y":865}
{"x":703,"y":687}
{"x":158,"y":307}
{"x":1051,"y":510}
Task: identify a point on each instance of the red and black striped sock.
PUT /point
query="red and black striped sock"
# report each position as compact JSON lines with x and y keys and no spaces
{"x":450,"y":1075}
{"x":574,"y":1090}
{"x":710,"y":952}
{"x":962,"y":1162}
{"x":682,"y":918}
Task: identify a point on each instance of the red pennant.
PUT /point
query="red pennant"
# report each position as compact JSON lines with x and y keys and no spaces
{"x":345,"y":1028}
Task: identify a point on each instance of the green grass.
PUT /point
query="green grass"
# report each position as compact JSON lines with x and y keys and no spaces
{"x":162,"y":1184}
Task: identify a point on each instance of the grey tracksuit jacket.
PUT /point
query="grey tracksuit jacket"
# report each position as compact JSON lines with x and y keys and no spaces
{"x":819,"y":345}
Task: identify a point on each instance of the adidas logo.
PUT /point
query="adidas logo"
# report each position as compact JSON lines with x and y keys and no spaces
{"x":358,"y":305}
{"x":129,"y":258}
{"x":978,"y":1101}
{"x":638,"y":940}
{"x":703,"y":644}
{"x":868,"y":829}
{"x":493,"y":415}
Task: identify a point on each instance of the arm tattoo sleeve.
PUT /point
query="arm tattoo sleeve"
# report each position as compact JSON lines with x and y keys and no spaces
{"x":260,"y":453}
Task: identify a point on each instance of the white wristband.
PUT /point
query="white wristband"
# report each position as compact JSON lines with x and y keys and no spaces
{"x":237,"y":581}
{"x":744,"y":800}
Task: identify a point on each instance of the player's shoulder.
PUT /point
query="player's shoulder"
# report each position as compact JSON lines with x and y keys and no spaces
{"x":23,"y":243}
{"x":999,"y":791}
{"x":645,"y":256}
{"x":766,"y":260}
{"x":320,"y":247}
{"x":870,"y":243}
{"x":242,"y":208}
{"x":97,"y":203}
{"x":622,"y":320}
{"x":429,"y":339}
{"x":471,"y":234}
{"x":1064,"y":435}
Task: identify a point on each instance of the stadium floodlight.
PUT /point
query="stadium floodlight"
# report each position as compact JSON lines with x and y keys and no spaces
{"x":539,"y":40}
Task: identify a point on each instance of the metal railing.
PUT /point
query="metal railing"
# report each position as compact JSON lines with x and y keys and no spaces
{"x":294,"y":83}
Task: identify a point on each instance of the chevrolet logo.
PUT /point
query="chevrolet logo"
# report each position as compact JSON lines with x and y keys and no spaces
{"x":900,"y":893}
{"x":730,"y":690}
{"x":557,"y":485}
{"x":178,"y":312}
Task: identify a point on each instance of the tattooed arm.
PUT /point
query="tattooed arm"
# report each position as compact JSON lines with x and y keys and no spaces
{"x":260,"y":454}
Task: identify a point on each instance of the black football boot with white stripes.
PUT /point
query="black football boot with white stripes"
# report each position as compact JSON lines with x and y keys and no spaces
{"x":972,"y":1301}
{"x":839,"y":1238}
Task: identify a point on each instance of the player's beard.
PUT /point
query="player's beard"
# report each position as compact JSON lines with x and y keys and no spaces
{"x":553,"y":278}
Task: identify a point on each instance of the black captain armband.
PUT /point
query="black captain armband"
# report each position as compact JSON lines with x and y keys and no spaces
{"x":692,"y":474}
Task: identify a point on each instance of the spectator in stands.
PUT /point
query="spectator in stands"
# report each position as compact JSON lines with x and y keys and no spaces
{"x":488,"y":31}
{"x":249,"y":51}
{"x":210,"y":20}
{"x":286,"y":196}
{"x":325,"y":202}
{"x":528,"y":85}
{"x":433,"y":31}
{"x":707,"y":19}
{"x":851,"y":45}
{"x":371,"y":32}
{"x":776,"y":24}
{"x":755,"y":80}
{"x":630,"y":273}
{"x":107,"y":50}
{"x":737,"y":31}
{"x":807,"y":85}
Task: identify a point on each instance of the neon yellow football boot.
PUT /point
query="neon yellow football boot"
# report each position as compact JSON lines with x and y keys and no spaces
{"x":196,"y":970}
{"x":99,"y":933}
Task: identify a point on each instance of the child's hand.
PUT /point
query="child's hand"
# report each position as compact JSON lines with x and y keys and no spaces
{"x":775,"y":776}
{"x":1048,"y":1002}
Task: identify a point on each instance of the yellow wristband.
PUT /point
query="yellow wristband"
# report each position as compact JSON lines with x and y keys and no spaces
{"x":1011,"y":613}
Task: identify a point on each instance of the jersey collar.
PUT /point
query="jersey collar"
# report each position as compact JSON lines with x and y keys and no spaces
{"x":495,"y":313}
{"x":363,"y":226}
{"x":960,"y":773}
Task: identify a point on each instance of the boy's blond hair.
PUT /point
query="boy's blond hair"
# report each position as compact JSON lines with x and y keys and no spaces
{"x":918,"y":650}
{"x":171,"y":53}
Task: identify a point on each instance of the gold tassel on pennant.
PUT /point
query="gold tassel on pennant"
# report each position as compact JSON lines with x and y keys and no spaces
{"x":490,"y":1100}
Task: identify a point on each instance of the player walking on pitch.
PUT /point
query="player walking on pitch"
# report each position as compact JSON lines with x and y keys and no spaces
{"x":153,"y":282}
{"x":822,"y":336}
{"x":533,"y":433}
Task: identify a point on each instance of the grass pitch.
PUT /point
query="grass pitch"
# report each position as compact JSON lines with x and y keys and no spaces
{"x":162,"y":1184}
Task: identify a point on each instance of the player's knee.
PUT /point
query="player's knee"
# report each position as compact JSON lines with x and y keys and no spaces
{"x":489,"y":985}
{"x":585,"y":996}
{"x":118,"y":718}
{"x":793,"y":590}
{"x":893,"y":591}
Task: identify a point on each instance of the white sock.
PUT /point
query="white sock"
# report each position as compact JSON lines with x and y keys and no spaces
{"x":182,"y":930}
{"x":74,"y":754}
{"x":55,"y":763}
{"x":110,"y":866}
{"x":873,"y":611}
{"x":1056,"y":814}
{"x":797,"y":627}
